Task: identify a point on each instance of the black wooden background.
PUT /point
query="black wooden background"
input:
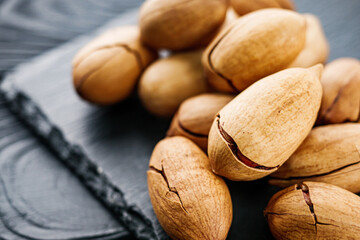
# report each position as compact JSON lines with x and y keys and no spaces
{"x":49,"y":137}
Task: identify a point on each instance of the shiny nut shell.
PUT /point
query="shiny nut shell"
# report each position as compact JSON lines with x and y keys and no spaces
{"x":190,"y":201}
{"x":329,"y":154}
{"x":180,"y":24}
{"x":262,"y":127}
{"x":105,"y":71}
{"x":255,"y":46}
{"x":167,"y":82}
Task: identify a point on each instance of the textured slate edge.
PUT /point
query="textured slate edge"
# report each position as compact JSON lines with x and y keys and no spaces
{"x":91,"y":175}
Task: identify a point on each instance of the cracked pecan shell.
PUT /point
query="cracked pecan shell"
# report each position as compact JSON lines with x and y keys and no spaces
{"x":314,"y":210}
{"x":180,"y":24}
{"x":341,"y":97}
{"x":254,"y":46}
{"x":194,"y":118}
{"x":262,"y":127}
{"x":245,"y":6}
{"x":189,"y":201}
{"x":105,"y":71}
{"x":329,"y":154}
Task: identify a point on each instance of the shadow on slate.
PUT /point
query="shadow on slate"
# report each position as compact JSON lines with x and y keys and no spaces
{"x":120,"y":138}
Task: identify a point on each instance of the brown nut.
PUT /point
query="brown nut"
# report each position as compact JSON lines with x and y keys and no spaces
{"x":261,"y":128}
{"x":106,"y":70}
{"x":245,"y":6}
{"x":341,"y":86}
{"x":316,"y":48}
{"x":169,"y":81}
{"x":255,"y":46}
{"x":195,"y":116}
{"x":231,"y":17}
{"x":180,"y":24}
{"x":314,"y":210}
{"x":329,"y":154}
{"x":189,"y":201}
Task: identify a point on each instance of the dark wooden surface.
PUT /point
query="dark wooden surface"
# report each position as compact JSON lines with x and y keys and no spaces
{"x":118,"y":138}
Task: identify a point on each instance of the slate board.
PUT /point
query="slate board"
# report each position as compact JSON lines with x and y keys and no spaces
{"x":28,"y":28}
{"x":120,"y":138}
{"x":36,"y":201}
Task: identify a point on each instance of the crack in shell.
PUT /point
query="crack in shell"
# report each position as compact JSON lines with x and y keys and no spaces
{"x":306,"y":194}
{"x":358,"y":118}
{"x":236,"y":151}
{"x":171,"y":189}
{"x":229,"y":81}
{"x":199,"y":135}
{"x":317,"y":175}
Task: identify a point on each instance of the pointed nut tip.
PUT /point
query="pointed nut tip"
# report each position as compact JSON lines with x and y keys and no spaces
{"x":317,"y":69}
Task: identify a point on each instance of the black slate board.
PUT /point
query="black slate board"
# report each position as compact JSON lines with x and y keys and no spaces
{"x":120,"y":138}
{"x":36,"y":201}
{"x":28,"y":28}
